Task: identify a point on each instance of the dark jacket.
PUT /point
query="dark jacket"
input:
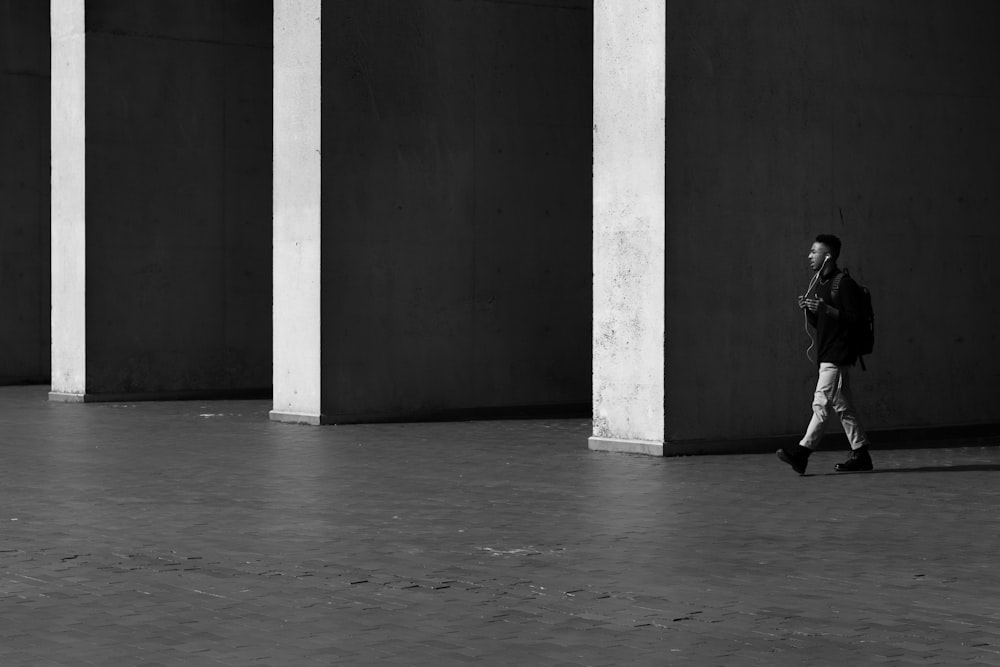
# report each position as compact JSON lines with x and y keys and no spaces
{"x":833,"y":340}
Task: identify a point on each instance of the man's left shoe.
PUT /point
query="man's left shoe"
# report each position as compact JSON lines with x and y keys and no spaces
{"x":796,"y":456}
{"x":859,"y":461}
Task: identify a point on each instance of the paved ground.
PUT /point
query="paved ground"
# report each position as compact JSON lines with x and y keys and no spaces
{"x":202,"y":534}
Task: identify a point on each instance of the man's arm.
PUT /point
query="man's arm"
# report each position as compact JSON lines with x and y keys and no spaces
{"x":848,"y":302}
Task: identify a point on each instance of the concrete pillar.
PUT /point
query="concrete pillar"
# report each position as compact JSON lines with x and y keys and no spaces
{"x":629,"y":208}
{"x":297,"y":211}
{"x":69,"y":243}
{"x":161,"y":199}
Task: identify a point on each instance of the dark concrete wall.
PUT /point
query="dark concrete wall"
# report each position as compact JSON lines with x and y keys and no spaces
{"x":24,"y":191}
{"x":874,"y":121}
{"x":178,"y":196}
{"x":456,"y":205}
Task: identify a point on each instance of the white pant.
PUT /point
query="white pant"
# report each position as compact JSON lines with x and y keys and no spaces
{"x":833,"y":388}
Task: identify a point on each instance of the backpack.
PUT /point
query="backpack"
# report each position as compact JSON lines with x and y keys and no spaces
{"x":862,"y":335}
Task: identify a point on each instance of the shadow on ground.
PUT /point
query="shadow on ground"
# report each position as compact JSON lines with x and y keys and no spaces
{"x":962,"y":468}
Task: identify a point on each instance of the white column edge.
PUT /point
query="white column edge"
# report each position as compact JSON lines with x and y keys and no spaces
{"x":297,"y":193}
{"x":629,"y":225}
{"x":68,"y":172}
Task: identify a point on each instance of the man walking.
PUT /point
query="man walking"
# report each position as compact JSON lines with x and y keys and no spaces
{"x":832,"y":307}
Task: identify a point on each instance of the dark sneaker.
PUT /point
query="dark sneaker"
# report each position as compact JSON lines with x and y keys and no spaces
{"x":859,"y":461}
{"x":796,"y":456}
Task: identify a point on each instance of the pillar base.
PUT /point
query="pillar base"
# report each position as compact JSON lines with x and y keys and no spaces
{"x":65,"y":397}
{"x":133,"y":397}
{"x":648,"y":447}
{"x":295,"y":418}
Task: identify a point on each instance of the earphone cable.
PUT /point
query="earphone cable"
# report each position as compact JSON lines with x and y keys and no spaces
{"x":805,"y":317}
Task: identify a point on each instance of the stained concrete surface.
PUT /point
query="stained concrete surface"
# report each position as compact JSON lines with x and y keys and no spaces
{"x":628,"y":344}
{"x":68,"y":159}
{"x":193,"y":533}
{"x":297,"y":211}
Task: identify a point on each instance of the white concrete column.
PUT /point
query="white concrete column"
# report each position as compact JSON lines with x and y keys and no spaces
{"x":69,"y":251}
{"x":297,"y":195}
{"x":629,"y":210}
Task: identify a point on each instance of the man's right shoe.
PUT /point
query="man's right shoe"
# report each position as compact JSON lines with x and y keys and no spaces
{"x":796,"y":456}
{"x":859,"y":461}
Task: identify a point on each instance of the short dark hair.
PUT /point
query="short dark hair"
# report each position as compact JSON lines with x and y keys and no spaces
{"x":831,"y":242}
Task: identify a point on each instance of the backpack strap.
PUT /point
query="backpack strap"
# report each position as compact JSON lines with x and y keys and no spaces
{"x":835,"y":287}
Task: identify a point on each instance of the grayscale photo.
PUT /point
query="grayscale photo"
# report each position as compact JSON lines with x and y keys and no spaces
{"x":433,"y":333}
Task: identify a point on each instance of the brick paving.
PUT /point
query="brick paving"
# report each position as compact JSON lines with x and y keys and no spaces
{"x":195,"y":533}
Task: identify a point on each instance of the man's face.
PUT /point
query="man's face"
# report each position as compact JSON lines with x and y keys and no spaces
{"x":817,"y":254}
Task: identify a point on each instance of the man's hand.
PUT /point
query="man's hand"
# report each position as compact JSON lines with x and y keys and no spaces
{"x":813,"y":305}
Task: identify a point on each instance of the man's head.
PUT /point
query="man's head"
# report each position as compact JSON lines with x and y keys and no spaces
{"x":825,"y":244}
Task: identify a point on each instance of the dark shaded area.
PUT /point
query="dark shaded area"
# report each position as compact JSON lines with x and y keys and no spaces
{"x":24,"y":192}
{"x":975,"y":435}
{"x":456,"y":207}
{"x":179,"y":197}
{"x":875,"y":121}
{"x":960,"y":468}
